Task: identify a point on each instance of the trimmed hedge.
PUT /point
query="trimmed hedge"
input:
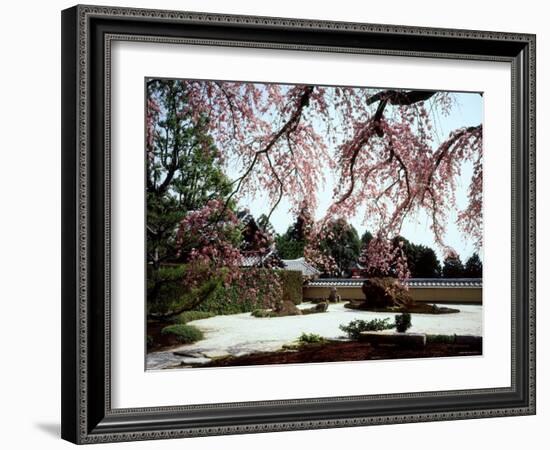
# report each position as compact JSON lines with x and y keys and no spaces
{"x":189,"y":316}
{"x":166,"y":291}
{"x":186,"y":334}
{"x":292,"y":283}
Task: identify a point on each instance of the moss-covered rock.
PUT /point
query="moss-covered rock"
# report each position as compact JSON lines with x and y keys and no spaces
{"x":286,"y":308}
{"x":388,"y":294}
{"x":333,"y":296}
{"x":318,"y":308}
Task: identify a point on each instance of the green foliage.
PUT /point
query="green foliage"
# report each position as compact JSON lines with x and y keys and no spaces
{"x":288,"y":248}
{"x":366,"y":238}
{"x":290,"y":245}
{"x":184,"y":171}
{"x":184,"y":167}
{"x":167,"y":293}
{"x":292,"y":284}
{"x":164,"y":287}
{"x":421,"y":260}
{"x":150,"y":341}
{"x":311,"y":338}
{"x":452,"y":267}
{"x":355,"y":327}
{"x":426,"y":264}
{"x":186,"y":334}
{"x":231,"y":299}
{"x":402,"y":322}
{"x":473,"y":267}
{"x":189,"y":316}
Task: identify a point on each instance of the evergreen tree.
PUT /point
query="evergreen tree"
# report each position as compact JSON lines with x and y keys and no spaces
{"x":473,"y":267}
{"x":452,"y":266}
{"x":426,"y":264}
{"x":421,"y":260}
{"x":183,"y":166}
{"x":290,"y":245}
{"x":366,"y":238}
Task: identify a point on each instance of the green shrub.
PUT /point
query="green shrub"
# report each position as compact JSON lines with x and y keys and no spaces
{"x":232,"y":299}
{"x":167,"y":292}
{"x":164,"y":287}
{"x":355,"y":327}
{"x":186,"y":334}
{"x":189,"y":316}
{"x":150,"y":341}
{"x":292,"y":283}
{"x":311,"y":338}
{"x":227,"y":300}
{"x":402,"y":322}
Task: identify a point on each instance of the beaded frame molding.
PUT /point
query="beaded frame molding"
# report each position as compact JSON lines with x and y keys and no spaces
{"x":87,"y":35}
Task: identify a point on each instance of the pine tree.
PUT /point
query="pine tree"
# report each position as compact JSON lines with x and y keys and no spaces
{"x":473,"y":267}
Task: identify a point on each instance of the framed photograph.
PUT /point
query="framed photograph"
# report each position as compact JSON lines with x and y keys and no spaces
{"x":281,"y":224}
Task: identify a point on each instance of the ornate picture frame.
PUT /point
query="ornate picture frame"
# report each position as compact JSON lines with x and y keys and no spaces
{"x":87,"y":413}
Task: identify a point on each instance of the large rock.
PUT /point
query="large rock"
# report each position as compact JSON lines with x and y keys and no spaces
{"x":384,"y":293}
{"x":333,"y":296}
{"x":318,"y":308}
{"x":286,"y":308}
{"x":388,"y":294}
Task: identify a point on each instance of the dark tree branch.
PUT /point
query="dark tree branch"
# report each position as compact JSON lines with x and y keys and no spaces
{"x":280,"y":188}
{"x":446,"y":148}
{"x":287,"y":128}
{"x":401,"y":98}
{"x":392,"y":97}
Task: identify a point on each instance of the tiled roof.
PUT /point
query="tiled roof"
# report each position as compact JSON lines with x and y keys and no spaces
{"x":412,"y":282}
{"x":301,"y":265}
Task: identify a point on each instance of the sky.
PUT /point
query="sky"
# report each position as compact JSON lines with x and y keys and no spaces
{"x":468,"y":111}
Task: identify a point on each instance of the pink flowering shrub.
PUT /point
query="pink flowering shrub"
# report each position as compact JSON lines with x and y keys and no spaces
{"x":208,"y":242}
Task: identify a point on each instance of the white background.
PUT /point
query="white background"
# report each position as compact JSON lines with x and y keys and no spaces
{"x":132,"y":387}
{"x":30,"y":225}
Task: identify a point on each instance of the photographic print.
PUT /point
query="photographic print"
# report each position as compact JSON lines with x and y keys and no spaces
{"x":297,"y":224}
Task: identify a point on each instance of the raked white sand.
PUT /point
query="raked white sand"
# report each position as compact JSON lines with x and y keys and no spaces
{"x":240,"y":334}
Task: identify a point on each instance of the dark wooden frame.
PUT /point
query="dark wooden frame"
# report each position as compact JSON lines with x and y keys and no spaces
{"x":87,"y":32}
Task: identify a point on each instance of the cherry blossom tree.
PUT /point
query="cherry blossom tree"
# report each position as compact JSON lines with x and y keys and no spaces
{"x":284,"y":141}
{"x":210,"y":252}
{"x":381,"y":145}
